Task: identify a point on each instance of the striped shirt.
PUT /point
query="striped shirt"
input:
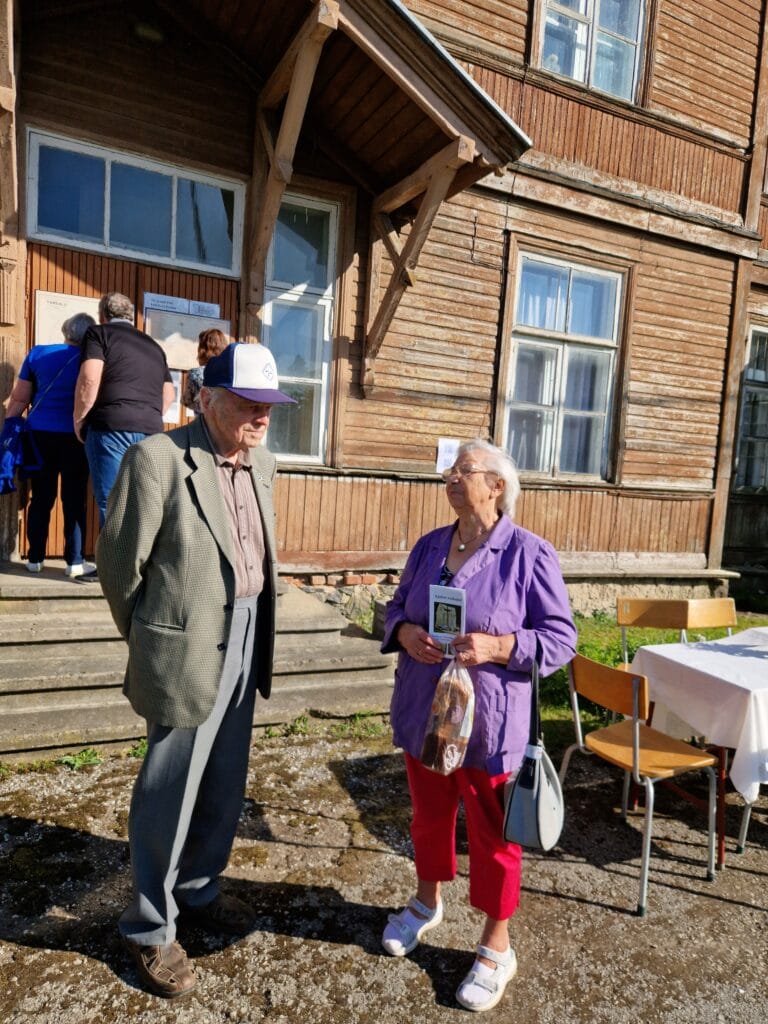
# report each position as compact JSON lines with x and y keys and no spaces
{"x":236,"y":482}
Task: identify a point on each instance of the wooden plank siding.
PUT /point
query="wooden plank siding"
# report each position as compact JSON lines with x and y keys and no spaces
{"x":435,"y":368}
{"x":611,"y":140}
{"x":162,"y":100}
{"x":502,"y":23}
{"x":705,"y":64}
{"x":376,"y":521}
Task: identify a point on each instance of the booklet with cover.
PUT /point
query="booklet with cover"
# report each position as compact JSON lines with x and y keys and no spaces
{"x":447,"y":614}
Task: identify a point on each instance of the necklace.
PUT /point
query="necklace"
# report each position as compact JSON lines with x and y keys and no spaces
{"x":462,"y":545}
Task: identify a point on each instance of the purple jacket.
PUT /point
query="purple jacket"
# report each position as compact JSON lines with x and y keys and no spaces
{"x":513,"y":585}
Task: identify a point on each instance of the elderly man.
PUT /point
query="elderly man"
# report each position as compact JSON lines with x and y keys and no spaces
{"x":186,"y":560}
{"x":122,"y":391}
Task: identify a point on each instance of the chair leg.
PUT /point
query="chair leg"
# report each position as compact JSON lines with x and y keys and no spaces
{"x":744,"y":827}
{"x":722,"y":775}
{"x":713,"y":801}
{"x":649,"y":795}
{"x":566,"y":761}
{"x":625,"y":794}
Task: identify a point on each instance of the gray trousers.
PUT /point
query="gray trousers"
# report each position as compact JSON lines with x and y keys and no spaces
{"x":188,"y":797}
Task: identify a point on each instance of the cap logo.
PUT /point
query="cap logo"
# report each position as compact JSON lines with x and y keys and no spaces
{"x":268,"y":372}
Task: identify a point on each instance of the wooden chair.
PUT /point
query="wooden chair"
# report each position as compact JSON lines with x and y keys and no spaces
{"x":682,"y":615}
{"x":645,"y":754}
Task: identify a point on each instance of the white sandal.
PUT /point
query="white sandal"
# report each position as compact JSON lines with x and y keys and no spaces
{"x":404,"y":930}
{"x":488,"y":985}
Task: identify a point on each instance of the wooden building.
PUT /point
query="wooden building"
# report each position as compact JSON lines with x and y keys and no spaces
{"x":538,"y":221}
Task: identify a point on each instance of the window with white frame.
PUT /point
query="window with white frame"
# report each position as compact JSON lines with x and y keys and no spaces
{"x":596,"y":42}
{"x":752,"y":460}
{"x":95,"y":198}
{"x":562,"y":368}
{"x":298,"y":323}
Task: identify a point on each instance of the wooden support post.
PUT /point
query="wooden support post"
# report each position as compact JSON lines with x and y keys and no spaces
{"x":728,"y":425}
{"x":293,"y":76}
{"x":434,"y":179}
{"x":757,"y":171}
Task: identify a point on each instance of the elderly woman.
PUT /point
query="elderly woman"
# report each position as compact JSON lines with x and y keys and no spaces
{"x":517,"y":613}
{"x":209,"y":344}
{"x":47,"y":382}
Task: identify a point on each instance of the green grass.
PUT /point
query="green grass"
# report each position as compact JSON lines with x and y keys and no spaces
{"x":82,"y":759}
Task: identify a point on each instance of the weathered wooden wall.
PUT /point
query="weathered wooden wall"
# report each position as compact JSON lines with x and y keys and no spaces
{"x":96,"y":78}
{"x":437,"y":370}
{"x":371,"y":522}
{"x":705,"y":64}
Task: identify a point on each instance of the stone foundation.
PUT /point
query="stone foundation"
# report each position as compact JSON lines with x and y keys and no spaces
{"x":362,"y":597}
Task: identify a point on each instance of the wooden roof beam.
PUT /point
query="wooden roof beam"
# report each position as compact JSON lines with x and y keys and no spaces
{"x":403,"y":271}
{"x":457,"y":153}
{"x":304,"y":57}
{"x":322,"y":20}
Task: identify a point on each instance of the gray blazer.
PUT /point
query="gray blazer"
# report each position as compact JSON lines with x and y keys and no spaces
{"x":166,"y":567}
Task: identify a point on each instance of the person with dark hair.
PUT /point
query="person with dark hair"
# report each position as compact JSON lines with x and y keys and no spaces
{"x":209,"y":344}
{"x":517,"y":613}
{"x":123,"y":389}
{"x":46,"y":382}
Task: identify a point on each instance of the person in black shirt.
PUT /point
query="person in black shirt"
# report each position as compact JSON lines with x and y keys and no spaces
{"x":122,"y":391}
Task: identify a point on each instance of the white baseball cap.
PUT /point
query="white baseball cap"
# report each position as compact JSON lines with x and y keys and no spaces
{"x":247,"y":370}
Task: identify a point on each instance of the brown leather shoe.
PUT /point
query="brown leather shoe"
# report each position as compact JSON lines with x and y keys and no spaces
{"x":225,"y":913}
{"x":164,"y":970}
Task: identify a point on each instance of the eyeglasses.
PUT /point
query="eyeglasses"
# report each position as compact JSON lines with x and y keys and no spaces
{"x":463,"y":471}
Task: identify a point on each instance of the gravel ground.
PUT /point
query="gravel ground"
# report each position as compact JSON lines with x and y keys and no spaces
{"x":323,"y":854}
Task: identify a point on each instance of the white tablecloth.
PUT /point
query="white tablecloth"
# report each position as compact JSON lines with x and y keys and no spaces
{"x":720,"y":687}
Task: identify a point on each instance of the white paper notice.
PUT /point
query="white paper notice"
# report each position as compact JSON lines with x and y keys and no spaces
{"x":447,"y":447}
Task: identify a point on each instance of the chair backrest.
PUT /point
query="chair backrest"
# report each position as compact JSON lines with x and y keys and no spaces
{"x":710,"y":612}
{"x":612,"y":688}
{"x":662,"y":613}
{"x":652,"y":613}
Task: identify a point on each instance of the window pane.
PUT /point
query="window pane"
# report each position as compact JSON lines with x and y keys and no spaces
{"x":565,"y":46}
{"x":753,"y":464}
{"x":757,"y":368}
{"x":295,"y":338}
{"x":614,"y":66}
{"x":535,"y":375}
{"x":755,"y":420}
{"x":543,"y":290}
{"x":530,"y":439}
{"x":70,"y":197}
{"x":582,"y":444}
{"x":621,"y":17}
{"x":592,"y":305}
{"x":586,"y":385}
{"x":140,"y":209}
{"x":300,"y":246}
{"x":294,"y":429}
{"x":204,"y":223}
{"x":579,"y":6}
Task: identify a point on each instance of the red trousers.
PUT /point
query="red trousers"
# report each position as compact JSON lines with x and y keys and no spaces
{"x":494,"y":865}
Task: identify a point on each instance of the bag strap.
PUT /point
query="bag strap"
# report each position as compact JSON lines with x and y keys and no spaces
{"x":63,"y":368}
{"x":534,"y":733}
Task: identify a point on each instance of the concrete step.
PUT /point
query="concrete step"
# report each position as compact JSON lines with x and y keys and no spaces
{"x":60,"y":667}
{"x":60,"y":628}
{"x":34,"y":733}
{"x":66,"y":691}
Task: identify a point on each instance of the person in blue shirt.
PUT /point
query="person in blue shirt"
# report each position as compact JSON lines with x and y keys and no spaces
{"x":46,"y":385}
